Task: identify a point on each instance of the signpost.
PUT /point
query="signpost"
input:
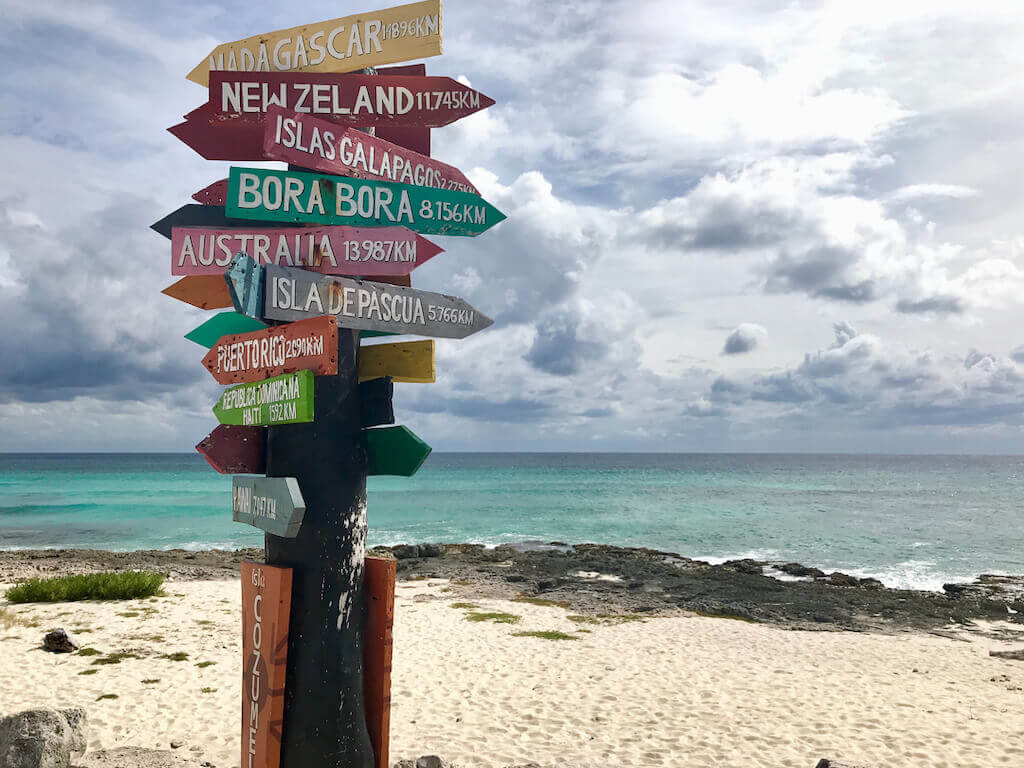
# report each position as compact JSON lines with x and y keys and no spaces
{"x":231,"y":450}
{"x":191,"y":215}
{"x":273,"y":504}
{"x":247,"y":357}
{"x":286,"y":399}
{"x":395,"y":451}
{"x":222,"y":324}
{"x":365,"y":101}
{"x":266,"y":600}
{"x":367,"y":251}
{"x":203,"y":291}
{"x":409,"y":362}
{"x":401,"y":33}
{"x":235,"y":141}
{"x":269,"y":195}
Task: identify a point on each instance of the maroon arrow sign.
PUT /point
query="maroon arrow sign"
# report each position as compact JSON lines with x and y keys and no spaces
{"x":235,"y":450}
{"x":234,"y":141}
{"x":321,"y":145}
{"x":348,"y":99}
{"x":335,"y":250}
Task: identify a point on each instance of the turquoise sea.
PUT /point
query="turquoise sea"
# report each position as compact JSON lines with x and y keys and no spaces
{"x":913,"y":521}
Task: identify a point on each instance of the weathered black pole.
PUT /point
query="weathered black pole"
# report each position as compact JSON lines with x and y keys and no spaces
{"x":324,"y":720}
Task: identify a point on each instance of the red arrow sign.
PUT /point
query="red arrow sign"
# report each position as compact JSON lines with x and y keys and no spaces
{"x":306,"y":345}
{"x":348,"y":99}
{"x":235,"y":450}
{"x":337,"y":250}
{"x":235,"y":141}
{"x":321,"y":145}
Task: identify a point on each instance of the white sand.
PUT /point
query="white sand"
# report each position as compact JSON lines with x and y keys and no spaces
{"x":664,"y":692}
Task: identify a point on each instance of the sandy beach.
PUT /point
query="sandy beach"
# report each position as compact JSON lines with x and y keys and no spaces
{"x":681,"y":690}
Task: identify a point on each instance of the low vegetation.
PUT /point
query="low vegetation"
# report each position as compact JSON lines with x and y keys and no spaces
{"x":466,"y":606}
{"x":605,"y":618}
{"x":89,"y":652}
{"x":540,"y":601}
{"x":151,"y":680}
{"x":115,"y":658}
{"x":546,"y":635}
{"x":208,"y":690}
{"x":88,"y":672}
{"x":103,"y":696}
{"x":204,"y":664}
{"x":498,"y":617}
{"x":176,"y":656}
{"x":127,"y":585}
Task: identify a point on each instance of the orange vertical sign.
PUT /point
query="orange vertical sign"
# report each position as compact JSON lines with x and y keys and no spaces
{"x":379,"y":588}
{"x":266,"y":603}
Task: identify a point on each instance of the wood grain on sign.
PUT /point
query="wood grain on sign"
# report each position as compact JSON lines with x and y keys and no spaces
{"x":368,"y":251}
{"x":286,"y":399}
{"x":294,"y":294}
{"x":307,"y":344}
{"x":266,"y":608}
{"x":394,"y":451}
{"x":319,"y":145}
{"x":222,"y":324}
{"x":272,"y":504}
{"x":235,"y":450}
{"x":410,"y":362}
{"x":361,"y":101}
{"x":203,"y":291}
{"x":416,"y":138}
{"x":401,"y":33}
{"x":379,"y":588}
{"x":310,"y":198}
{"x":236,"y":141}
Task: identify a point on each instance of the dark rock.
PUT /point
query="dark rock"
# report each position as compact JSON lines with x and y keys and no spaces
{"x":796,"y":569}
{"x":745,"y":566}
{"x":428,"y":761}
{"x":59,"y":641}
{"x":546,"y":585}
{"x":843,"y":579}
{"x":989,"y":586}
{"x":870,"y":583}
{"x":430,"y":550}
{"x":515,"y":578}
{"x":42,"y":738}
{"x":405,"y":551}
{"x":177,"y":744}
{"x":1012,"y":655}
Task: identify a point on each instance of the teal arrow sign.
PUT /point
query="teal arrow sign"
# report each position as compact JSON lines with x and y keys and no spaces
{"x":272,"y":503}
{"x":294,"y":196}
{"x":286,"y":399}
{"x":394,"y":451}
{"x":223,"y":324}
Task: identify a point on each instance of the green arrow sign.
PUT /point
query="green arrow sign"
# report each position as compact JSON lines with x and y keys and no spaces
{"x":223,"y":324}
{"x":294,"y":196}
{"x":394,"y":451}
{"x":286,"y":399}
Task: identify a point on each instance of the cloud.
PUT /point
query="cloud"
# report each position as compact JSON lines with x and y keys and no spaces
{"x":919,"y":191}
{"x":743,"y":339}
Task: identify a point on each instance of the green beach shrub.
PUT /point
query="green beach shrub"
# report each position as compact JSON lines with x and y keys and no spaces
{"x":546,"y":635}
{"x":498,"y":617}
{"x":126,"y":585}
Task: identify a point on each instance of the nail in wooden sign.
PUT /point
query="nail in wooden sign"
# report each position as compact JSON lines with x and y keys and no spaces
{"x":244,"y":98}
{"x":307,"y":344}
{"x":222,"y":324}
{"x":266,"y":607}
{"x":235,"y":450}
{"x":273,"y":504}
{"x":367,"y":251}
{"x":319,"y":145}
{"x":368,"y":39}
{"x":394,"y":451}
{"x":411,"y":362}
{"x":286,"y":399}
{"x":271,"y":195}
{"x":295,"y":294}
{"x":203,"y":291}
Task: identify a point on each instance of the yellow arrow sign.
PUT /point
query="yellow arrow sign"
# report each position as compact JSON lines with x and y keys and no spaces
{"x":368,"y":39}
{"x":411,"y":362}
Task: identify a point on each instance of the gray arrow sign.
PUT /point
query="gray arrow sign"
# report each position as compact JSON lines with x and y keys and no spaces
{"x":294,"y":294}
{"x":272,"y":503}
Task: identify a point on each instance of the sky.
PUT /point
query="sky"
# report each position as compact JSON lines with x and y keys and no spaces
{"x":732,"y":225}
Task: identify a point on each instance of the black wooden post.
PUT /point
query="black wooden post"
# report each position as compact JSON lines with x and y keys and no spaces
{"x":324,"y":720}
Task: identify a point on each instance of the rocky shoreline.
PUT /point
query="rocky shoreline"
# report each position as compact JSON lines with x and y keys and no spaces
{"x":600,"y":579}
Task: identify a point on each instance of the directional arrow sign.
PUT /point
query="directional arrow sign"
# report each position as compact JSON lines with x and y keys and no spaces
{"x":235,"y":141}
{"x":401,"y":33}
{"x":212,"y":194}
{"x":232,"y":450}
{"x":197,"y":216}
{"x":367,"y":251}
{"x":256,"y":193}
{"x":203,"y":291}
{"x":407,"y":361}
{"x":320,"y":145}
{"x":295,"y":294}
{"x":308,"y":344}
{"x":272,"y":503}
{"x":223,"y":324}
{"x":286,"y":399}
{"x":394,"y":451}
{"x":355,"y":100}
{"x":415,"y":138}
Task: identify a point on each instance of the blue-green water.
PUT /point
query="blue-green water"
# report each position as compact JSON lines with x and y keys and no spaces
{"x":911,"y":521}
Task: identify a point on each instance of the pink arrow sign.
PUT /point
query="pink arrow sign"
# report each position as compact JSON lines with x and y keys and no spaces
{"x":348,"y":99}
{"x":365,"y":251}
{"x":233,"y":141}
{"x":320,"y":145}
